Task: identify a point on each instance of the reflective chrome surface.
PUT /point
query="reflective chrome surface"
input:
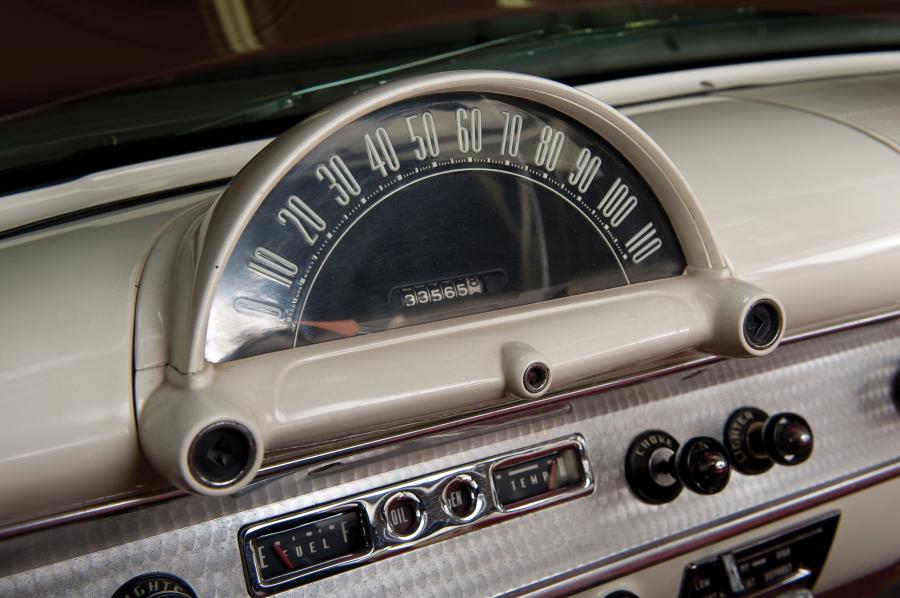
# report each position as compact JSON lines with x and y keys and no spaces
{"x":435,"y":522}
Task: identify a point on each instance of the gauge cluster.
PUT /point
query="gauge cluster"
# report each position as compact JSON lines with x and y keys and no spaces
{"x":300,"y":547}
{"x":436,"y":207}
{"x":428,"y":250}
{"x":319,"y":378}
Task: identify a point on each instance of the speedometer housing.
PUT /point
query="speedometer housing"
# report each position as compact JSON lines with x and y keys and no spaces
{"x":436,"y":231}
{"x":438,"y":206}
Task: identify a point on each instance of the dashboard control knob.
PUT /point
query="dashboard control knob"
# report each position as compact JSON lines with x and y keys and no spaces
{"x":756,"y":441}
{"x":650,"y":467}
{"x":155,"y":585}
{"x":788,"y":438}
{"x":703,"y":465}
{"x":744,"y":439}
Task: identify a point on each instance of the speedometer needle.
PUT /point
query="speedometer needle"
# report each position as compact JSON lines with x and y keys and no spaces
{"x":283,"y":555}
{"x":342,"y":327}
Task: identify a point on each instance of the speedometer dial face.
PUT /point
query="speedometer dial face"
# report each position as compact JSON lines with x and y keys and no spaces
{"x":431,"y":208}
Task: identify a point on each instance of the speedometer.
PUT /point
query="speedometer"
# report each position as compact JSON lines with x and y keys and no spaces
{"x":439,"y":206}
{"x":425,"y":252}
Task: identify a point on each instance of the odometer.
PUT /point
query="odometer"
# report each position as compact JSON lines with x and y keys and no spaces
{"x":434,"y":207}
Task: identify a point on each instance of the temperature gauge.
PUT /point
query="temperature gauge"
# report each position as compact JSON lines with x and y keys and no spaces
{"x":534,"y":478}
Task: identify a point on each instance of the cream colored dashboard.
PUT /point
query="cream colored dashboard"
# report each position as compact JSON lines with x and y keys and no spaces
{"x":784,"y":195}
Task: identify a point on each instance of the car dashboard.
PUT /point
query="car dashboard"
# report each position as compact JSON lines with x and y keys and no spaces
{"x":471,"y":333}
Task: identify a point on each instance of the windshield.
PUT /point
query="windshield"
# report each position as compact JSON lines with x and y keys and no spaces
{"x":97,"y":89}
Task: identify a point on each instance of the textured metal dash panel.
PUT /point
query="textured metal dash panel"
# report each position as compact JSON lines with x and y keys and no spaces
{"x":840,"y":383}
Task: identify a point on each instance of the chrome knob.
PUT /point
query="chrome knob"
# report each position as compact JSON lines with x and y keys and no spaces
{"x":788,"y":438}
{"x":703,"y":465}
{"x":755,"y":441}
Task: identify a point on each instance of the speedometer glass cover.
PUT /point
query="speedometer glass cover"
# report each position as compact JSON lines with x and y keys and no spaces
{"x":434,"y":207}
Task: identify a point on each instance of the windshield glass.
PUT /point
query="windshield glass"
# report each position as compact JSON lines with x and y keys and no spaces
{"x":100,"y":88}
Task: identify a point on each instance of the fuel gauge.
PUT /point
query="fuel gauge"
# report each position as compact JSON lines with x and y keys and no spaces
{"x":326,"y":540}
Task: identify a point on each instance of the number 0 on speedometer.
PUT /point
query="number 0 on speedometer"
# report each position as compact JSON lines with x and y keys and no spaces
{"x":435,"y":207}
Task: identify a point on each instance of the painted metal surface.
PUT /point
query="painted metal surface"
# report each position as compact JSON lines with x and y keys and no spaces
{"x":67,"y":434}
{"x":840,"y":382}
{"x":802,"y":205}
{"x":827,"y":247}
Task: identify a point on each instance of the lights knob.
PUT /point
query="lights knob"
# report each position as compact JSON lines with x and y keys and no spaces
{"x":703,"y":465}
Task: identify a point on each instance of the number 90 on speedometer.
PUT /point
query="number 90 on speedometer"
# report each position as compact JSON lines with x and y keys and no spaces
{"x":434,"y":207}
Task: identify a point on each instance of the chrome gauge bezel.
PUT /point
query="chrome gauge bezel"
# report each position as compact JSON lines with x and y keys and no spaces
{"x":532,"y":453}
{"x":477,"y":490}
{"x":435,"y":523}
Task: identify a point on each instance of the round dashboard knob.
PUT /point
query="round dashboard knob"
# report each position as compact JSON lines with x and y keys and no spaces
{"x":649,"y":467}
{"x":788,"y":438}
{"x":744,"y":440}
{"x":703,"y":465}
{"x":155,"y":585}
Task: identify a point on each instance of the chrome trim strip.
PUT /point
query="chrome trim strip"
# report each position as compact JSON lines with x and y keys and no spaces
{"x":91,"y":512}
{"x":857,"y":323}
{"x":268,"y":471}
{"x":435,"y":523}
{"x":665,"y":549}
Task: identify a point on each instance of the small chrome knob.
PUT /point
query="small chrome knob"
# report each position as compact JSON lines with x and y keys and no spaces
{"x":703,"y":465}
{"x":788,"y":438}
{"x":755,"y":441}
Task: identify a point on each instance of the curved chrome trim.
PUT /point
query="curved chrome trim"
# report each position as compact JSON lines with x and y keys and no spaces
{"x":291,"y":464}
{"x":478,"y":502}
{"x":421,"y":516}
